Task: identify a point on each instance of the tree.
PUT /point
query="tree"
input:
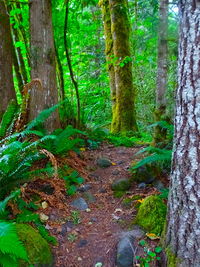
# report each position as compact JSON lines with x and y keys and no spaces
{"x":160,"y":112}
{"x":43,"y":64}
{"x":7,"y":91}
{"x":182,"y":240}
{"x":118,"y":52}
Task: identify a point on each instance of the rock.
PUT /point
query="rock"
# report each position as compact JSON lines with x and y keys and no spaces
{"x":38,"y":250}
{"x":144,"y":174}
{"x":121,"y":185}
{"x":158,"y":185}
{"x":67,"y":227}
{"x":89,"y":197}
{"x":104,"y":162}
{"x":43,"y":217}
{"x":152,"y":214}
{"x":142,"y":186}
{"x":47,"y":189}
{"x":116,"y":172}
{"x":79,"y":204}
{"x":95,"y":176}
{"x":120,"y":162}
{"x":125,"y":251}
{"x":82,"y":243}
{"x":44,"y":205}
{"x":93,"y":219}
{"x":102,"y":190}
{"x":84,"y":188}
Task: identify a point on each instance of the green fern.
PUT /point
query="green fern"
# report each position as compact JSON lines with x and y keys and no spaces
{"x":11,"y":249}
{"x":8,"y":117}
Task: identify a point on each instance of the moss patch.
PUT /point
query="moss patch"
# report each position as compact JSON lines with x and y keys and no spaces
{"x":151,"y":215}
{"x":37,"y":248}
{"x":172,"y":260}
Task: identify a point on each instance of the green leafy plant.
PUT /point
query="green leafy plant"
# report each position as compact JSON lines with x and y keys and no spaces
{"x":75,"y":217}
{"x":149,"y":255}
{"x":72,"y":237}
{"x":71,"y":181}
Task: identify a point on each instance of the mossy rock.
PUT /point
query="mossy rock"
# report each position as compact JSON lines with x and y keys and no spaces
{"x":37,"y":248}
{"x":121,"y":185}
{"x":152,"y":214}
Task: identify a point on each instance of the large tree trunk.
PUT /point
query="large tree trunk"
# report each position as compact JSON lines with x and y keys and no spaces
{"x":123,"y":119}
{"x":43,"y":65}
{"x":7,"y":91}
{"x":160,"y":112}
{"x":183,"y":230}
{"x":104,"y":4}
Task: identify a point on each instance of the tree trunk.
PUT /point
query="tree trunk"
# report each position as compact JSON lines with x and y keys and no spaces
{"x":123,"y":119}
{"x":7,"y":91}
{"x":160,"y":112}
{"x":104,"y":4}
{"x":182,"y":241}
{"x":43,"y":65}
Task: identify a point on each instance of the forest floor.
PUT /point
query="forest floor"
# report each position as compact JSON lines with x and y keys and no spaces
{"x":86,"y":238}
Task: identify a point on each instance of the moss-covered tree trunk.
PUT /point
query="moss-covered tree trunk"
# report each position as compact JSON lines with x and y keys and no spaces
{"x":105,"y":7}
{"x":183,"y":230}
{"x":160,"y":112}
{"x":43,"y":64}
{"x":7,"y":91}
{"x":123,"y":117}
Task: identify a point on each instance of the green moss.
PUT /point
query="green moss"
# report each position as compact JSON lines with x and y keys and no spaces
{"x":172,"y":260}
{"x":151,"y":215}
{"x":37,"y":248}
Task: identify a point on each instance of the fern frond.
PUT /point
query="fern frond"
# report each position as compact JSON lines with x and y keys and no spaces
{"x":7,"y":199}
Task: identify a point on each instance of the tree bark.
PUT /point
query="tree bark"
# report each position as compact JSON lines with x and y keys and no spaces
{"x":43,"y":64}
{"x":7,"y":91}
{"x":104,"y":4}
{"x":183,"y":230}
{"x":123,"y":119}
{"x":160,"y":112}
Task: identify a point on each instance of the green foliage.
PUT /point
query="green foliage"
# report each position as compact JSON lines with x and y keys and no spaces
{"x":117,"y":140}
{"x":75,"y":217}
{"x":61,"y":141}
{"x":8,"y":118}
{"x":11,"y":248}
{"x":149,"y":255}
{"x":71,"y":181}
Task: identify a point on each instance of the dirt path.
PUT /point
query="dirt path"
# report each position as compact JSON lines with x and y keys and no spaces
{"x":94,"y":239}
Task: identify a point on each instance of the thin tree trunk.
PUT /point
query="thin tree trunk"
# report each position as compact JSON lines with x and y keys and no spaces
{"x":124,"y":119}
{"x":70,"y":65}
{"x":43,"y":65}
{"x":7,"y":91}
{"x":104,"y":4}
{"x":160,"y":112}
{"x":17,"y":70}
{"x":183,"y":230}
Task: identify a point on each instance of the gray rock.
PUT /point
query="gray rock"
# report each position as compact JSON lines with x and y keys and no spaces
{"x":84,"y":188}
{"x":116,"y":172}
{"x":104,"y":162}
{"x":82,"y":243}
{"x":89,"y":197}
{"x":120,"y":162}
{"x":158,"y":185}
{"x":102,"y":190}
{"x":125,"y":252}
{"x":79,"y":204}
{"x":144,"y":174}
{"x":121,"y":185}
{"x":142,"y":186}
{"x":93,"y":219}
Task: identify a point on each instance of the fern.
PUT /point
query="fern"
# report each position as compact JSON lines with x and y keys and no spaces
{"x":4,"y":203}
{"x":8,"y":117}
{"x":11,"y":249}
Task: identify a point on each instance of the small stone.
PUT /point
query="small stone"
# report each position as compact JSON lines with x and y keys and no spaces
{"x":82,"y":243}
{"x":104,"y":162}
{"x":158,"y":185}
{"x":89,"y":197}
{"x":102,"y":190}
{"x":120,"y":185}
{"x":44,"y":204}
{"x":88,"y":210}
{"x":43,"y":217}
{"x":98,"y":264}
{"x":93,"y":219}
{"x":116,"y":172}
{"x":79,"y":259}
{"x":84,"y":188}
{"x":142,"y":186}
{"x":95,"y":176}
{"x":120,"y":162}
{"x":79,"y":204}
